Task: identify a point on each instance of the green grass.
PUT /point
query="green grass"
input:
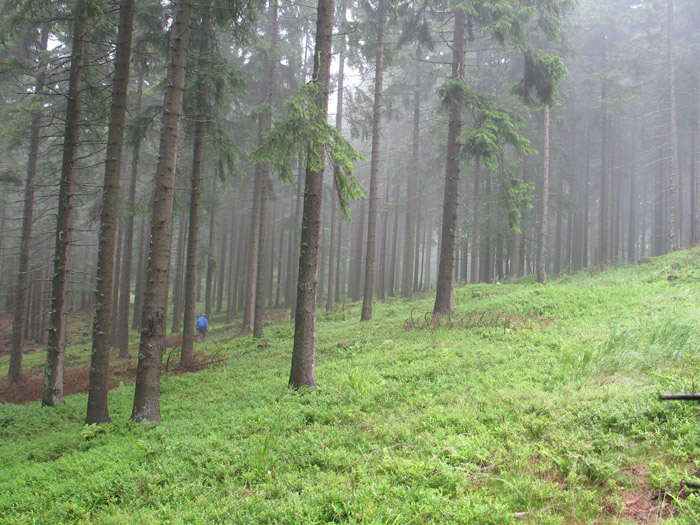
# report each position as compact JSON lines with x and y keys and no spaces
{"x":553,"y":414}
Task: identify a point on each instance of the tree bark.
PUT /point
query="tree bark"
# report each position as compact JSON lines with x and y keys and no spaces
{"x":515,"y":255}
{"x":200,"y":132}
{"x":476,"y":218}
{"x":296,"y":236}
{"x":410,"y":227}
{"x":56,"y":345}
{"x":187,"y":352}
{"x":178,"y":284}
{"x":357,"y":254}
{"x":19,"y":311}
{"x":366,"y":314}
{"x":696,"y":169}
{"x":674,"y":210}
{"x":381,"y":268}
{"x":152,"y":344}
{"x":265,"y":126}
{"x":303,"y":368}
{"x":632,"y":223}
{"x":427,"y":283}
{"x":335,"y":241}
{"x":444,"y":297}
{"x":559,"y":229}
{"x":544,"y":206}
{"x":222,"y":272}
{"x":251,"y":279}
{"x":97,"y":407}
{"x":230,"y":293}
{"x":117,"y":266}
{"x":394,"y":244}
{"x":211,"y":250}
{"x":141,"y":263}
{"x":604,"y":214}
{"x":125,"y":292}
{"x":259,"y":303}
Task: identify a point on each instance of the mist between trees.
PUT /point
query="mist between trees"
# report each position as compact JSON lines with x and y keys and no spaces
{"x":171,"y":158}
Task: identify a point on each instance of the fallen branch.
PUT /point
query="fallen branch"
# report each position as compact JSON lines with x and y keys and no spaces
{"x":683,"y":397}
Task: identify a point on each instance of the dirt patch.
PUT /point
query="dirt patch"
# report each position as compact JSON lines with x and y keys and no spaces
{"x":120,"y":371}
{"x":643,"y":503}
{"x":74,"y":380}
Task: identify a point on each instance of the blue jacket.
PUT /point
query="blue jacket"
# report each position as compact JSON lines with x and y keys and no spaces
{"x":202,"y":323}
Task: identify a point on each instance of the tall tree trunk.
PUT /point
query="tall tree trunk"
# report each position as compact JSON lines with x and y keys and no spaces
{"x":125,"y":292}
{"x":241,"y":260}
{"x":322,"y":256}
{"x":544,"y":206}
{"x":586,"y":196}
{"x":291,"y":238}
{"x":393,"y":262}
{"x":251,"y":273}
{"x":117,"y":266}
{"x":296,"y":236}
{"x":674,"y":210}
{"x":427,"y":284}
{"x":303,"y":369}
{"x":476,"y":225}
{"x":271,"y":257}
{"x":381,"y":280}
{"x":141,"y":263}
{"x":357,"y":254}
{"x":604,"y":214}
{"x":200,"y":132}
{"x":515,"y":255}
{"x":187,"y":352}
{"x":632,"y":223}
{"x":265,"y":126}
{"x":97,"y":408}
{"x":335,"y":241}
{"x":56,"y":345}
{"x":366,"y":314}
{"x":696,"y":169}
{"x":211,"y":250}
{"x":178,"y":284}
{"x":230,"y":293}
{"x":301,"y":183}
{"x":259,"y":303}
{"x":35,"y":298}
{"x":417,"y":253}
{"x":407,"y":272}
{"x":569,"y":239}
{"x":444,"y":297}
{"x":657,"y":243}
{"x":20,"y":295}
{"x":559,"y":230}
{"x":280,"y":257}
{"x":152,"y":344}
{"x":222,"y":272}
{"x":3,"y":220}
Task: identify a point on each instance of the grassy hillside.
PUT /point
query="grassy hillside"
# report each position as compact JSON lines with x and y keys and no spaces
{"x":530,"y":405}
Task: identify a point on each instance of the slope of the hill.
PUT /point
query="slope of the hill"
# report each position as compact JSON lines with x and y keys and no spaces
{"x":531,"y":404}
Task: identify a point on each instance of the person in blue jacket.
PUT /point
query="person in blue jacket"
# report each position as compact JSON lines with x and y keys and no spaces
{"x":202,"y":328}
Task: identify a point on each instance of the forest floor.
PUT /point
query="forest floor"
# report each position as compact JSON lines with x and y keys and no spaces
{"x":76,"y":375}
{"x":531,"y":404}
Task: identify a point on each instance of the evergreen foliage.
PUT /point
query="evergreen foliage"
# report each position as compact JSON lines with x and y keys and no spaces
{"x":542,"y":73}
{"x":305,"y":130}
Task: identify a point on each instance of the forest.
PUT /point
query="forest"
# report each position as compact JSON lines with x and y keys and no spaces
{"x":477,"y":217}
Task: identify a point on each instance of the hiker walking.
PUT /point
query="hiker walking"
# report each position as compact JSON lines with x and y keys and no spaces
{"x":202,"y":327}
